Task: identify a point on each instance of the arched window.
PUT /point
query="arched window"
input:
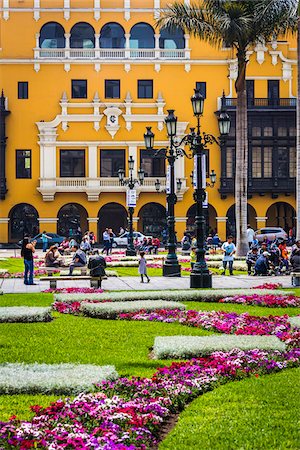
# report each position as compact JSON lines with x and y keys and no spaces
{"x":52,"y":35}
{"x":82,"y":36}
{"x":23,"y":221}
{"x":171,"y":38}
{"x":112,"y":36}
{"x":142,"y":36}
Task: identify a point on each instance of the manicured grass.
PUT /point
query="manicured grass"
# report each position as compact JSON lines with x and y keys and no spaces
{"x":123,"y":344}
{"x":39,"y":299}
{"x":256,"y":413}
{"x":16,"y":265}
{"x":12,"y":265}
{"x":82,"y":340}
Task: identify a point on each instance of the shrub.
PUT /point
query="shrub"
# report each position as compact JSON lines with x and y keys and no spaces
{"x":184,"y":347}
{"x":25,"y":314}
{"x":294,"y":321}
{"x":57,"y":379}
{"x":111,"y":310}
{"x":205,"y":295}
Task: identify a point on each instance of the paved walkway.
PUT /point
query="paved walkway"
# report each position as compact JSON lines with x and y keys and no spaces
{"x":16,"y":285}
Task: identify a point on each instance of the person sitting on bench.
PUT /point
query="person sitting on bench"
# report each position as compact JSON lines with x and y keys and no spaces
{"x":97,"y":265}
{"x":79,"y":259}
{"x":52,"y":257}
{"x":295,"y":261}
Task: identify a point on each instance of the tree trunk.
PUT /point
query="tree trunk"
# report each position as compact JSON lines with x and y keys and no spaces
{"x":241,"y":163}
{"x":298,"y":139}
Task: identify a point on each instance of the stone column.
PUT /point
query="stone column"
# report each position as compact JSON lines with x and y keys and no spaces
{"x":135,"y":221}
{"x":157,"y":49}
{"x":221,"y":227}
{"x":127,"y":45}
{"x":261,"y":222}
{"x":97,"y":46}
{"x":4,"y":221}
{"x":67,"y":45}
{"x":93,"y":225}
{"x":49,"y":224}
{"x":180,"y":227}
{"x":187,"y":51}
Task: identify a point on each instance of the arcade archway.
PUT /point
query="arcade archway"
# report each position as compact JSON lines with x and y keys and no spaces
{"x":112,"y":215}
{"x":23,"y":221}
{"x":152,"y":219}
{"x":72,"y":221}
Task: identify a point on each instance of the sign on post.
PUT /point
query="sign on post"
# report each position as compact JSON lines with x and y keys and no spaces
{"x":205,"y":202}
{"x":131,"y":198}
{"x":203,"y":169}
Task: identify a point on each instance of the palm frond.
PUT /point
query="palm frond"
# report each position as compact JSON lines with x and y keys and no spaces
{"x":277,"y":16}
{"x":192,"y":19}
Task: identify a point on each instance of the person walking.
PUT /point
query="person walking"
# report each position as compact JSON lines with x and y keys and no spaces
{"x":143,"y":267}
{"x":27,"y":251}
{"x":229,"y":250}
{"x":45,"y":238}
{"x":250,"y":235}
{"x":106,"y":241}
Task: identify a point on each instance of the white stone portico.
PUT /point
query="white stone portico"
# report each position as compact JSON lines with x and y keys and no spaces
{"x":102,"y":116}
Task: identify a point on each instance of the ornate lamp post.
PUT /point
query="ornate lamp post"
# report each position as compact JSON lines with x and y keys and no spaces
{"x":170,"y":266}
{"x":198,"y":143}
{"x":200,"y":276}
{"x":131,"y":199}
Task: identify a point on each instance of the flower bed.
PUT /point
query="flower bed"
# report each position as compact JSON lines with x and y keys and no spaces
{"x":220,"y":321}
{"x":52,"y":379}
{"x":128,"y":413}
{"x":25,"y":314}
{"x":269,"y":300}
{"x":185,"y":347}
{"x":111,"y":310}
{"x":269,"y":286}
{"x":207,"y":295}
{"x":74,"y":290}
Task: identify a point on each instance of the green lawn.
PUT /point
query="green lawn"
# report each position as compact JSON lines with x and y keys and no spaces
{"x":16,"y":265}
{"x":253,"y":414}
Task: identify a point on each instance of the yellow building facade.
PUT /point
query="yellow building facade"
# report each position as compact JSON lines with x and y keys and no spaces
{"x":83,"y":78}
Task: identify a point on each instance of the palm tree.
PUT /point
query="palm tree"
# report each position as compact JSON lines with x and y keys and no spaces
{"x":286,"y":15}
{"x":239,"y":24}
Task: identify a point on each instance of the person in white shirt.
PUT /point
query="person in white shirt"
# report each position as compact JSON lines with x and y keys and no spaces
{"x":229,"y":250}
{"x":250,"y":235}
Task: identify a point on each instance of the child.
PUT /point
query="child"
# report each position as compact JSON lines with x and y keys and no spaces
{"x":143,"y":267}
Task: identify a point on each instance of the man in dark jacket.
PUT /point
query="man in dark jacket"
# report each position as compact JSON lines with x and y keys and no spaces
{"x":295,"y":261}
{"x":262,"y":264}
{"x":97,"y":264}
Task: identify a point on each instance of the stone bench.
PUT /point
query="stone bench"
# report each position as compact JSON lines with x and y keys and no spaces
{"x":295,"y":279}
{"x":95,"y":282}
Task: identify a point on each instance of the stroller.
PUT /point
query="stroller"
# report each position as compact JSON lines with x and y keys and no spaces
{"x":274,"y":260}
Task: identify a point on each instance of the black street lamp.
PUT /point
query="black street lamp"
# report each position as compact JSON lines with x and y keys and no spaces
{"x":171,"y":267}
{"x":131,"y":182}
{"x":200,"y":275}
{"x":198,"y":143}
